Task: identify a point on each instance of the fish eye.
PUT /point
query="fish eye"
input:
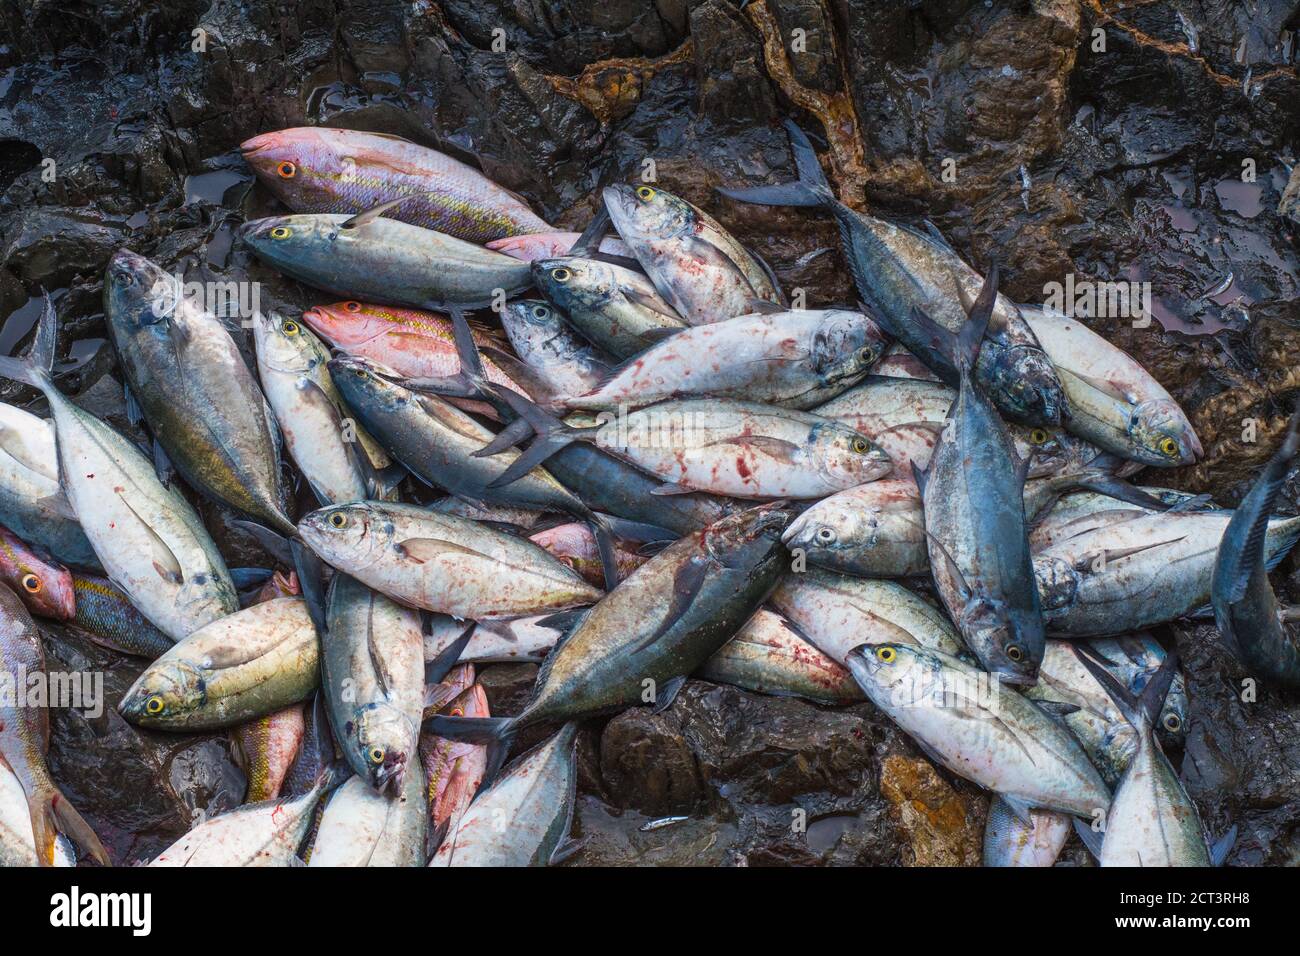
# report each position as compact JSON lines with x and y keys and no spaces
{"x":1015,"y":654}
{"x":1168,"y":447}
{"x":281,"y":232}
{"x":124,"y":278}
{"x":867,"y":354}
{"x":1039,"y":436}
{"x":645,"y":193}
{"x":886,"y":655}
{"x":1173,"y":723}
{"x":290,"y":328}
{"x":861,"y":446}
{"x":457,"y":712}
{"x":376,"y":754}
{"x":154,"y":705}
{"x":352,"y":306}
{"x":540,"y":312}
{"x":338,"y":519}
{"x":31,"y":583}
{"x":561,"y":275}
{"x":825,"y":534}
{"x":286,"y":170}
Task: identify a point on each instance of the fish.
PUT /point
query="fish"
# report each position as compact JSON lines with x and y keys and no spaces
{"x":107,"y":616}
{"x":17,"y":843}
{"x":25,"y":737}
{"x":905,"y":417}
{"x":236,"y":669}
{"x":972,"y":495}
{"x":1134,"y":659}
{"x":443,"y":563}
{"x":316,"y":753}
{"x":44,"y":586}
{"x":1009,"y":842}
{"x":615,"y":308}
{"x":1128,"y":569}
{"x":977,"y":727}
{"x":254,"y":835}
{"x":769,"y":656}
{"x":32,"y":503}
{"x":416,"y":345}
{"x":574,"y":544}
{"x":697,"y":266}
{"x":372,"y":676}
{"x":898,"y":270}
{"x":193,"y":389}
{"x":265,"y":748}
{"x":1246,"y":611}
{"x":316,"y":169}
{"x":1076,"y":511}
{"x":453,"y":770}
{"x":521,"y":640}
{"x":550,"y":245}
{"x":657,"y":626}
{"x":375,"y":259}
{"x":1152,"y":821}
{"x":795,"y":359}
{"x":437,"y":443}
{"x":362,"y":827}
{"x":1115,"y":403}
{"x":838,"y":612}
{"x":720,"y":446}
{"x":524,"y":818}
{"x":562,"y":361}
{"x":337,"y":457}
{"x":148,"y":538}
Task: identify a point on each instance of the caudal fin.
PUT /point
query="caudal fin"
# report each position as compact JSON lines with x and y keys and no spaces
{"x":496,"y":733}
{"x":1142,"y":712}
{"x":552,"y":435}
{"x":52,"y":814}
{"x":812,"y":189}
{"x":36,"y":368}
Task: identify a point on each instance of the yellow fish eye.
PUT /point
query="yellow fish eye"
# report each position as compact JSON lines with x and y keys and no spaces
{"x":886,"y":655}
{"x":290,"y":328}
{"x":860,"y":446}
{"x":154,"y":705}
{"x":281,"y":232}
{"x":338,"y":519}
{"x":1015,"y":654}
{"x":31,"y":583}
{"x":561,"y":275}
{"x":645,"y":193}
{"x":1168,"y":447}
{"x":1039,"y":436}
{"x":376,"y":755}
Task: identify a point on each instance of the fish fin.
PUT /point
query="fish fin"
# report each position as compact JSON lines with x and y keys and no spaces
{"x":1085,"y":563}
{"x":1019,"y":808}
{"x":1092,"y":839}
{"x":250,"y":577}
{"x":552,"y":435}
{"x":1195,"y":503}
{"x":783,"y":194}
{"x":958,"y":578}
{"x":812,"y":189}
{"x":760,"y":304}
{"x":1105,"y":483}
{"x":933,"y":233}
{"x":58,"y":504}
{"x":763,"y":307}
{"x":671,"y":689}
{"x":496,"y":733}
{"x":687,"y":583}
{"x":670,"y":488}
{"x":623,"y":262}
{"x":604,"y":536}
{"x":1269,"y":484}
{"x":134,"y":415}
{"x":165,"y":562}
{"x":508,"y":437}
{"x":777,"y":449}
{"x":437,"y":669}
{"x":971,"y":335}
{"x":311,"y":580}
{"x":1142,"y":712}
{"x":652,"y":303}
{"x":1223,"y":846}
{"x":651,"y":548}
{"x":567,"y":847}
{"x":162,"y":465}
{"x":590,"y":239}
{"x":920,"y":476}
{"x":630,"y":530}
{"x":52,"y":814}
{"x":942,"y":342}
{"x":421,"y":550}
{"x":272,"y":542}
{"x":563,"y":621}
{"x":373,"y":213}
{"x":37,"y":368}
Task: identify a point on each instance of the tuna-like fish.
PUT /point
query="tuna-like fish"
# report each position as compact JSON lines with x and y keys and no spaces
{"x":194,"y":390}
{"x":382,"y":260}
{"x":443,"y":563}
{"x":695,"y":264}
{"x":898,"y":270}
{"x":317,"y":169}
{"x":796,"y":359}
{"x":616,"y":308}
{"x":243,"y":666}
{"x":555,"y":355}
{"x":45,"y":587}
{"x":148,"y":538}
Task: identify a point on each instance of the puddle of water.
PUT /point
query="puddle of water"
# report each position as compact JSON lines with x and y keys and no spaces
{"x":81,"y":352}
{"x":212,"y":187}
{"x":824,"y":833}
{"x":1245,"y":199}
{"x":22,"y":320}
{"x":1182,"y":218}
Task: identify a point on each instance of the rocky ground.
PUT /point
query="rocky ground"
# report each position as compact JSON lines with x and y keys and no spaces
{"x":1104,"y":139}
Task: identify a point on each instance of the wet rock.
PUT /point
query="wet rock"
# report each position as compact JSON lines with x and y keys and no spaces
{"x":943,"y":826}
{"x":46,"y":248}
{"x":733,"y":86}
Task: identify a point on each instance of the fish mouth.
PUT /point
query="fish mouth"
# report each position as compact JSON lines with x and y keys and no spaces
{"x":388,"y":779}
{"x":250,"y":147}
{"x":1016,"y":678}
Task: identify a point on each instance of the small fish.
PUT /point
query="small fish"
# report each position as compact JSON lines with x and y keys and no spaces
{"x":616,"y":308}
{"x":238,"y":668}
{"x":574,"y":544}
{"x":265,"y":748}
{"x":696,"y":265}
{"x":17,"y":846}
{"x":317,"y":169}
{"x":361,"y":827}
{"x":109,"y":618}
{"x":550,"y":245}
{"x":453,"y":770}
{"x":1009,"y":842}
{"x":651,"y":825}
{"x":46,"y":588}
{"x":563,"y":362}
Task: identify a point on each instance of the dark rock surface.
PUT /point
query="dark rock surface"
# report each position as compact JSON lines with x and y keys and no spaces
{"x":1085,"y":137}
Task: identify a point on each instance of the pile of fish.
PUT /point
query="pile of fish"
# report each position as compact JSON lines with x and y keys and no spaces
{"x":635,"y":465}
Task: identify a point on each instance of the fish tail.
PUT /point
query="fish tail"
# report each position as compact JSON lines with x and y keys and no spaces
{"x":552,"y":435}
{"x":496,"y":733}
{"x":37,"y":367}
{"x":812,"y":188}
{"x":1286,"y":535}
{"x":1259,"y":506}
{"x":971,"y":335}
{"x":604,"y":535}
{"x":52,"y":814}
{"x":1142,"y":712}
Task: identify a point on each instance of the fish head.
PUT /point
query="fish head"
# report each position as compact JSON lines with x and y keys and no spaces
{"x":367,"y":385}
{"x":43,"y":585}
{"x":299,"y":166}
{"x":165,"y":692}
{"x":384,"y":738}
{"x":894,"y":675}
{"x":138,"y":292}
{"x":348,"y":323}
{"x":573,"y":283}
{"x":846,"y":345}
{"x":1051,"y":449}
{"x":646,"y":213}
{"x":285,"y":345}
{"x":1001,"y":647}
{"x":846,"y":457}
{"x":747,"y":538}
{"x":1025,"y":381}
{"x":1162,"y":434}
{"x":349,"y":537}
{"x":829,"y":527}
{"x":1058,"y":583}
{"x":296,"y":243}
{"x":1172,"y":727}
{"x":530,"y":324}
